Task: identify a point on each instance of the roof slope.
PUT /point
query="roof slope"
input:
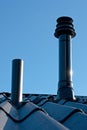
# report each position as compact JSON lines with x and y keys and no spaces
{"x":40,"y":111}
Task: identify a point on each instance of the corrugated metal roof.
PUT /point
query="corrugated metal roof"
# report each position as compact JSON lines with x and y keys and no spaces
{"x":40,"y":111}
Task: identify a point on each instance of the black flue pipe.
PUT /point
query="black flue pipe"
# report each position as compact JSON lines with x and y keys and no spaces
{"x":65,"y":32}
{"x":17,"y":81}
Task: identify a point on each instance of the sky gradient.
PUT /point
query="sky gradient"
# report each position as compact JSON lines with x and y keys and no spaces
{"x":27,"y":31}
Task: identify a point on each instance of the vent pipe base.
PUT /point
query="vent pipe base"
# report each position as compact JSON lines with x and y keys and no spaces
{"x":65,"y":90}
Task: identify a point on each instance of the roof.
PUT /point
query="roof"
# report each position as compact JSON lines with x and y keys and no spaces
{"x":42,"y":111}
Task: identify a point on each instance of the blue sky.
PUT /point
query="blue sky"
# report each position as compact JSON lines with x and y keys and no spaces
{"x":26,"y":32}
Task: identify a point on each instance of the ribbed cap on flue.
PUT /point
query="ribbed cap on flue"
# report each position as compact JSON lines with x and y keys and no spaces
{"x":64,"y":26}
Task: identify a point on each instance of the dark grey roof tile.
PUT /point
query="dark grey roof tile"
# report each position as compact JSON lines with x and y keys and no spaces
{"x":5,"y":122}
{"x":27,"y":117}
{"x":39,"y":111}
{"x":59,"y":112}
{"x":67,"y":115}
{"x":2,"y":98}
{"x":32,"y":98}
{"x":39,"y":121}
{"x":78,"y":121}
{"x":20,"y":114}
{"x":77,"y":105}
{"x":61,"y":101}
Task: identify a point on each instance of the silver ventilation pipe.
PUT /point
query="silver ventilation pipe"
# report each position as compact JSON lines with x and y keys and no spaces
{"x":17,"y":81}
{"x":65,"y":32}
